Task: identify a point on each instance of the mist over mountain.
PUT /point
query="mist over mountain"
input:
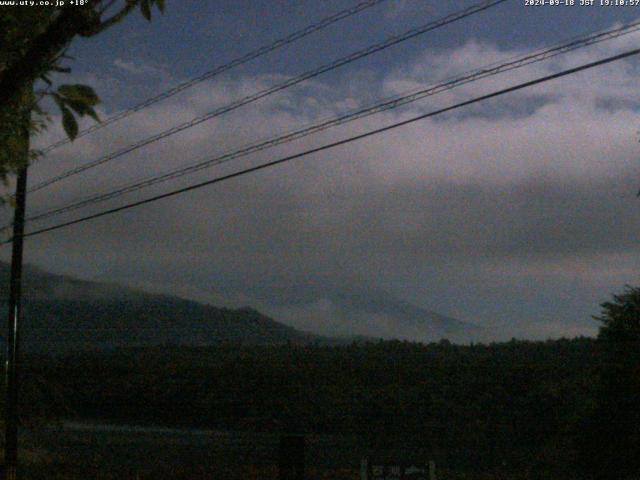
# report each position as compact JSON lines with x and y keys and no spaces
{"x":62,"y":313}
{"x":371,"y":312}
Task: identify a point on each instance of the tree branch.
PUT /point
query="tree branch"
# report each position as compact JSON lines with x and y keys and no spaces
{"x":41,"y":52}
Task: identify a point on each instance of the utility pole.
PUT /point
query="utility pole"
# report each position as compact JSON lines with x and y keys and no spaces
{"x":12,"y":378}
{"x":13,"y":324}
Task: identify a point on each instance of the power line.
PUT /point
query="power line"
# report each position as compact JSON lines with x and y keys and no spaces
{"x":475,"y":75}
{"x":308,"y":30}
{"x":334,"y":144}
{"x":414,"y":32}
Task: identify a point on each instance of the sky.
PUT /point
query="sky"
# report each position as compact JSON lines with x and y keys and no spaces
{"x":518,"y":213}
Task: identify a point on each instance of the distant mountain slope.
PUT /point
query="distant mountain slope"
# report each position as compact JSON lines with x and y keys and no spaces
{"x":407,"y":320}
{"x":362,"y":310}
{"x":63,"y":314}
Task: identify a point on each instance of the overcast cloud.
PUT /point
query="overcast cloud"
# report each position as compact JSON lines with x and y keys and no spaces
{"x":519,"y":213}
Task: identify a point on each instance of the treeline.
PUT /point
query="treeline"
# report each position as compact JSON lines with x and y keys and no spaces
{"x":510,"y":406}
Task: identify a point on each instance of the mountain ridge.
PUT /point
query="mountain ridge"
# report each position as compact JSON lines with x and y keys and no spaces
{"x":63,"y":313}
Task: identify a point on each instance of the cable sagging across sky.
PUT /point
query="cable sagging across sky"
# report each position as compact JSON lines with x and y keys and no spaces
{"x":475,"y":75}
{"x":394,"y":40}
{"x":308,"y":30}
{"x":328,"y":146}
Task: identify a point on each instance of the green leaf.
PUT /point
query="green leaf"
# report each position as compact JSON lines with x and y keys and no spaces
{"x":160,"y":4}
{"x":145,"y":8}
{"x":77,"y":106}
{"x":92,"y":113}
{"x":81,"y":109}
{"x":69,"y":123}
{"x":79,"y":93}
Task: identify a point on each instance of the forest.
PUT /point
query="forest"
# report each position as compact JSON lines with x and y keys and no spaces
{"x":525,"y":409}
{"x":517,"y":406}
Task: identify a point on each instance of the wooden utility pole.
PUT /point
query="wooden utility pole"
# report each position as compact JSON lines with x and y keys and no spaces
{"x":13,"y":324}
{"x":12,"y":379}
